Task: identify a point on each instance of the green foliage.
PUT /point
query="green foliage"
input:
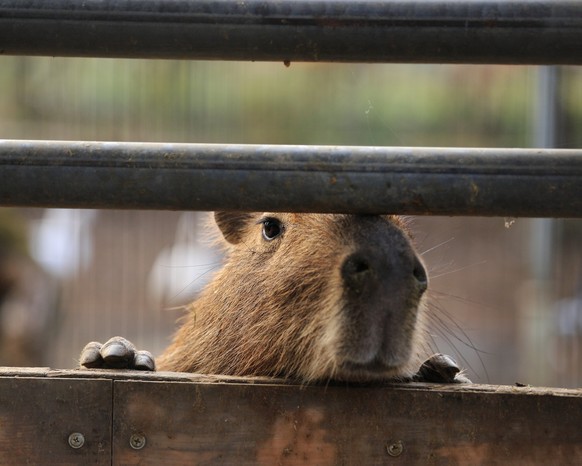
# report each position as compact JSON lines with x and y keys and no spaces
{"x":147,"y":100}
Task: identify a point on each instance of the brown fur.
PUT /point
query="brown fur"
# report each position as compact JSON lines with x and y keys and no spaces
{"x":280,"y":307}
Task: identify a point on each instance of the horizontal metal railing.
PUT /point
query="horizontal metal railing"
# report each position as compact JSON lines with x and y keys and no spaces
{"x":429,"y":31}
{"x":492,"y":182}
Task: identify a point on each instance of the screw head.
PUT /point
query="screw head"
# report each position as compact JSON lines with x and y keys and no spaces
{"x":76,"y":440}
{"x":137,"y":441}
{"x":395,"y":449}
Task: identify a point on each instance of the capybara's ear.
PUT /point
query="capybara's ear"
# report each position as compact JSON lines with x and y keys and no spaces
{"x":233,"y":224}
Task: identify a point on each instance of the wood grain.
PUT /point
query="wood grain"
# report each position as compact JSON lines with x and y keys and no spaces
{"x":288,"y":425}
{"x":202,"y":419}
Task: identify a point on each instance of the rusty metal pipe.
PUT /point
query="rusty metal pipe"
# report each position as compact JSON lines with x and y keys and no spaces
{"x":366,"y":180}
{"x":414,"y":31}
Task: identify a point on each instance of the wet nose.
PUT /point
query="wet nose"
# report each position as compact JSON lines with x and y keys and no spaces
{"x":360,"y":272}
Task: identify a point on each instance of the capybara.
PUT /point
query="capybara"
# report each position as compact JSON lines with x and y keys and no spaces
{"x":308,"y":297}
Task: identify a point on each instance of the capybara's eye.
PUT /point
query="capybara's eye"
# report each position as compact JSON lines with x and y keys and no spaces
{"x":271,"y":228}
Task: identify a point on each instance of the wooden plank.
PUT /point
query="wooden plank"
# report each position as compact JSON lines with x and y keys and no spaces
{"x":200,"y":419}
{"x":39,"y":414}
{"x":201,"y":423}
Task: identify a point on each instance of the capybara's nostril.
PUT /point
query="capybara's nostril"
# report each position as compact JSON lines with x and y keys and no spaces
{"x":357,"y":265}
{"x":419,"y":273}
{"x":356,"y":271}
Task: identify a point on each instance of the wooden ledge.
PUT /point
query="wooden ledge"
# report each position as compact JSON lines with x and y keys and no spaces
{"x":131,"y":417}
{"x":144,"y":376}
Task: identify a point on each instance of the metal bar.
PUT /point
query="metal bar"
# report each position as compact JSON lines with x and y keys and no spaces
{"x":491,"y":182}
{"x":415,"y":31}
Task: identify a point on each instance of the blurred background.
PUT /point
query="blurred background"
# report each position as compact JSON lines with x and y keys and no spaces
{"x":506,"y":298}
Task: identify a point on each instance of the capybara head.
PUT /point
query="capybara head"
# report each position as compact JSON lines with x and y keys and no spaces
{"x":313,"y":297}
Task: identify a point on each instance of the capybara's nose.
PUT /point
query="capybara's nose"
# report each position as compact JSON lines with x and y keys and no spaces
{"x":365,"y":270}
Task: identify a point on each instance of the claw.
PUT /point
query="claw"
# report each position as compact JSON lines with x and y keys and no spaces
{"x":118,"y":353}
{"x":91,"y":355}
{"x":144,"y":361}
{"x":440,"y":368}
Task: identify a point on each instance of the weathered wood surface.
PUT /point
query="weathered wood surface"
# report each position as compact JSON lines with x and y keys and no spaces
{"x":37,"y":416}
{"x":196,"y":419}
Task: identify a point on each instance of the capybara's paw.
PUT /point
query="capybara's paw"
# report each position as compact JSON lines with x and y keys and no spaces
{"x":116,"y":353}
{"x":440,"y":368}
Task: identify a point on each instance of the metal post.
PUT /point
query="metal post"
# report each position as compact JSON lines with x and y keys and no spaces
{"x":536,"y":313}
